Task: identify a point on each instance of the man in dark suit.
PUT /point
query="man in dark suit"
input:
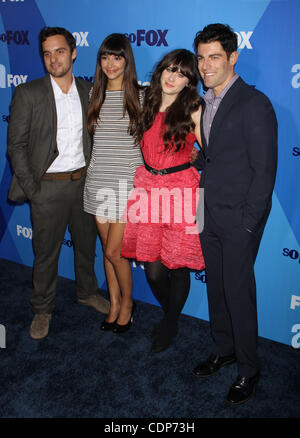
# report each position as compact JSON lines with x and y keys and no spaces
{"x":238,"y":163}
{"x":50,"y":147}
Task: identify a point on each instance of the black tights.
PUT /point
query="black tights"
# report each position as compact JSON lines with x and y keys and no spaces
{"x":169,"y":286}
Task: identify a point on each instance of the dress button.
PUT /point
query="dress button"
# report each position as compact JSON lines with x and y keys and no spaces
{"x":208,"y":160}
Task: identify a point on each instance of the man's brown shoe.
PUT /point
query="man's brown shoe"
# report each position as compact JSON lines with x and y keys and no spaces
{"x":40,"y":325}
{"x":97,"y":302}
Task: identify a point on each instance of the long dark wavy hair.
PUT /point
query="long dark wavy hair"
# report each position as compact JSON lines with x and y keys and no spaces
{"x":118,"y":45}
{"x":178,"y":119}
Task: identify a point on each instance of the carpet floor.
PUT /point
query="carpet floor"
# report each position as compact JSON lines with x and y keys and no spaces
{"x":79,"y":371}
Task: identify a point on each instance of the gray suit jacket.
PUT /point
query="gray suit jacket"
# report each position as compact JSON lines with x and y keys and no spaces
{"x":32,"y":134}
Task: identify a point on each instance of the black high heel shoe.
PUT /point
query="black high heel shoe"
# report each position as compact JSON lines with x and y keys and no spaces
{"x":108,"y":326}
{"x":118,"y":328}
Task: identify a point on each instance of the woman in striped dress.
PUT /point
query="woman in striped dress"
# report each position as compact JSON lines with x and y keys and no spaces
{"x":112,"y":117}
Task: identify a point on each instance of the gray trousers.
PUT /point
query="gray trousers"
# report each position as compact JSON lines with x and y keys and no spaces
{"x":59,"y":204}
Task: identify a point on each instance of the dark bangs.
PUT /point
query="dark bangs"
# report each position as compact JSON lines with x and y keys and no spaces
{"x":183,"y":61}
{"x":114,"y":45}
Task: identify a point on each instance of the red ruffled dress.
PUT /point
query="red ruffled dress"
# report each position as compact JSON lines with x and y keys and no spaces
{"x":161,"y":210}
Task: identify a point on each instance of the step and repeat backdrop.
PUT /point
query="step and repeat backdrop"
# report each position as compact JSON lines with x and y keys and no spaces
{"x":269,"y":41}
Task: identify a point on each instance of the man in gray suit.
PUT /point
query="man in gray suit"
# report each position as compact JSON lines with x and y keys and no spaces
{"x":50,"y":147}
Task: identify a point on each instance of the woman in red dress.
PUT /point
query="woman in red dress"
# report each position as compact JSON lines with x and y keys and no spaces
{"x":160,"y":229}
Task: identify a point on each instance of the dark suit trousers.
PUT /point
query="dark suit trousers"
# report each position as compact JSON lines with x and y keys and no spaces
{"x":59,"y":204}
{"x":229,"y":256}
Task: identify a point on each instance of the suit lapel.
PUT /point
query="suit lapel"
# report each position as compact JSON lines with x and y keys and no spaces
{"x":51,"y":102}
{"x":202,"y":129}
{"x":84,"y":99}
{"x":52,"y":108}
{"x":227,"y":102}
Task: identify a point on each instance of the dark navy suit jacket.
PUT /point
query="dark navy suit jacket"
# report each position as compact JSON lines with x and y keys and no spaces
{"x":239,"y":163}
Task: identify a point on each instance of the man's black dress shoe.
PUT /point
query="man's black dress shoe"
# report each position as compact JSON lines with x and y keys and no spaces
{"x":212,"y":365}
{"x":242,"y":389}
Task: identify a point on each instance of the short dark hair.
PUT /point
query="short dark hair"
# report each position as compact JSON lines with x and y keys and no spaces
{"x":218,"y":32}
{"x":47,"y":32}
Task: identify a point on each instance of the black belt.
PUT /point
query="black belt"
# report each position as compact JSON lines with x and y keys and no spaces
{"x":168,"y":169}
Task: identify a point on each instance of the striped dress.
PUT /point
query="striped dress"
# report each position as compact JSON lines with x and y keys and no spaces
{"x":114,"y":160}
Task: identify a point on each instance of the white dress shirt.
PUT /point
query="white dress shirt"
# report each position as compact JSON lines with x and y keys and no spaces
{"x":69,"y":130}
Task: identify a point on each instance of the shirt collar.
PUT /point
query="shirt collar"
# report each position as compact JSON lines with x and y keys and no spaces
{"x":210,"y":97}
{"x":57,"y":90}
